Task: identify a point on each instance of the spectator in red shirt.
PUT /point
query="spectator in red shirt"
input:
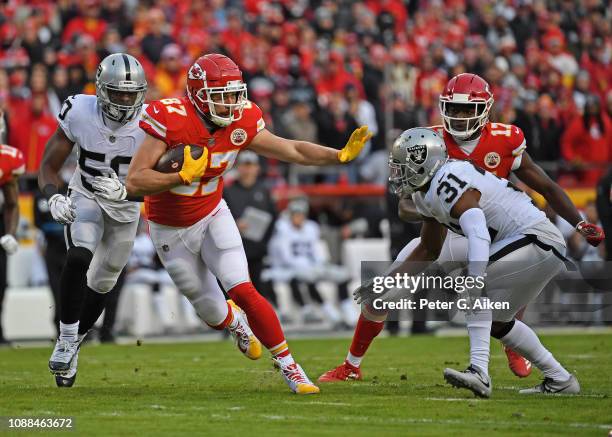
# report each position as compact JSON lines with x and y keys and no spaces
{"x":235,"y":38}
{"x":30,"y":131}
{"x":598,"y":65}
{"x":171,"y":78}
{"x":88,"y":22}
{"x":430,"y":83}
{"x":587,"y":142}
{"x":335,"y":78}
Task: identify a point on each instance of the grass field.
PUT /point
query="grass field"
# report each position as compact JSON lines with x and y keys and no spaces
{"x":210,"y":389}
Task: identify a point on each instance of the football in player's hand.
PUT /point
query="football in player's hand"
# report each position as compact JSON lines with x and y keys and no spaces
{"x":172,"y":160}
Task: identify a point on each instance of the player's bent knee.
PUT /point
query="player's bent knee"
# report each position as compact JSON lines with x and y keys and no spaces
{"x":102,"y":286}
{"x":501,"y":329}
{"x":211,"y":309}
{"x":184,"y":278}
{"x":117,"y":258}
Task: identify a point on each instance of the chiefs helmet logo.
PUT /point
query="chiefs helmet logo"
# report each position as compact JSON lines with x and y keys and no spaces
{"x":196,"y":72}
{"x":238,"y":137}
{"x":492,"y":159}
{"x":417,"y":154}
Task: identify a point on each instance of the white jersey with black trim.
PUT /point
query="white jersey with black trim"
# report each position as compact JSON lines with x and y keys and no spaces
{"x":294,"y":247}
{"x":100,"y":150}
{"x":509,"y":211}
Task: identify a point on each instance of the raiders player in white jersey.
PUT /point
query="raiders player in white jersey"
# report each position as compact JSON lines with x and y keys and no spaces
{"x":99,"y":231}
{"x":510,"y":243}
{"x":101,"y":219}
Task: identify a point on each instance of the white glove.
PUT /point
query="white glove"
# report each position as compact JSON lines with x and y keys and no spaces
{"x":62,"y":209}
{"x":9,"y":244}
{"x":109,"y":188}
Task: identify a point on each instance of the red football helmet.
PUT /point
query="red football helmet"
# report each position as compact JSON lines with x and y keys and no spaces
{"x":215,"y":81}
{"x":465,"y":104}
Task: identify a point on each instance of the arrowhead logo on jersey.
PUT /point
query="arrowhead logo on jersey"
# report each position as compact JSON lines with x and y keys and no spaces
{"x":492,"y":159}
{"x":196,"y":72}
{"x":417,"y":154}
{"x":238,"y":137}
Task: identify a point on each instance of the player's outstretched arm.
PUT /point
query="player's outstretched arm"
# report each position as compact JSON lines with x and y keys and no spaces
{"x":426,"y":252}
{"x":269,"y":145}
{"x":532,"y":175}
{"x":141,"y":178}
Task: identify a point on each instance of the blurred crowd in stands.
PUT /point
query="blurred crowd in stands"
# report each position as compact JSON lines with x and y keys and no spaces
{"x":319,"y":68}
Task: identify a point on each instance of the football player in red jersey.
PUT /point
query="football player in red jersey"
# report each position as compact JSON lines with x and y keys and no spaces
{"x":12,"y":165}
{"x":190,"y":224}
{"x":465,"y":104}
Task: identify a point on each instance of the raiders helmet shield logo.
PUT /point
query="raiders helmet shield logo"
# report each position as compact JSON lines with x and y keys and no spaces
{"x":492,"y":159}
{"x":238,"y":137}
{"x":417,"y":153}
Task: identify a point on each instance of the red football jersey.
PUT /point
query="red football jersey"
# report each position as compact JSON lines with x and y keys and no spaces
{"x":11,"y":163}
{"x":497,"y":150}
{"x":175,"y":121}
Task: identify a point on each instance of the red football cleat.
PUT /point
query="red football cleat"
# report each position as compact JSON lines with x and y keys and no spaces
{"x":519,"y":365}
{"x":344,"y":372}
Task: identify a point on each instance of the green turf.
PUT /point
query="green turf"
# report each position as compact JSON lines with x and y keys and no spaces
{"x":210,"y":389}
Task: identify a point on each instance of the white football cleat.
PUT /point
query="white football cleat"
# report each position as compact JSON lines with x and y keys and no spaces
{"x":472,"y":379}
{"x":296,"y":378}
{"x":246,"y":341}
{"x":68,"y":378}
{"x":549,"y":385}
{"x":63,"y":355}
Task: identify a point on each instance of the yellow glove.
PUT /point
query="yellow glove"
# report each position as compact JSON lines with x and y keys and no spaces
{"x":193,"y":168}
{"x":353,"y":147}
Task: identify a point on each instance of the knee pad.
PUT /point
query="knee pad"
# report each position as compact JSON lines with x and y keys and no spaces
{"x":78,"y":257}
{"x":118,"y":256}
{"x":500,"y":329}
{"x":184,"y":277}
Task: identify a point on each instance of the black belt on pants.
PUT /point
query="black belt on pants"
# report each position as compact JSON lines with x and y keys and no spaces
{"x":531,"y":239}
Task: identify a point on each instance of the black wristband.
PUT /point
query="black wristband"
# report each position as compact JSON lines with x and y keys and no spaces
{"x":49,"y":190}
{"x":134,"y":198}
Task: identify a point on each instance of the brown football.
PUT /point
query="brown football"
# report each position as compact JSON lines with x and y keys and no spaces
{"x":172,"y":160}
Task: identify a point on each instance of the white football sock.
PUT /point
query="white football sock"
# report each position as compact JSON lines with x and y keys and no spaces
{"x":479,"y":330}
{"x":69,"y":331}
{"x":353,"y":360}
{"x":523,"y":340}
{"x":287,"y":360}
